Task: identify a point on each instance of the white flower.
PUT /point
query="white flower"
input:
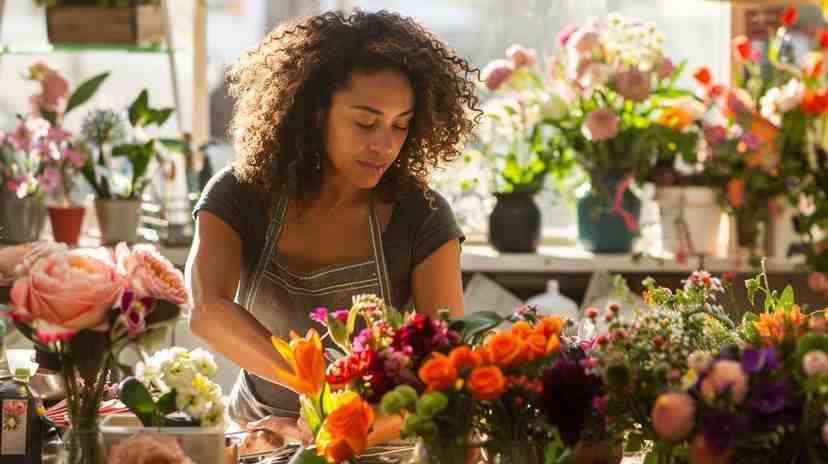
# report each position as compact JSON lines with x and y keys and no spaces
{"x":596,"y":74}
{"x":204,"y":362}
{"x":179,"y":374}
{"x":184,"y":397}
{"x":552,"y":105}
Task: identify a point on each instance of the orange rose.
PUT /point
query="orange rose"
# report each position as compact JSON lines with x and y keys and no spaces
{"x":522,"y":329}
{"x":736,"y":192}
{"x":486,"y":355}
{"x":536,"y":345}
{"x":675,"y":118}
{"x":487,"y":383}
{"x":553,"y":345}
{"x":463,"y":356}
{"x":551,"y":325}
{"x":438,"y":372}
{"x":347,"y":428}
{"x":506,"y":349}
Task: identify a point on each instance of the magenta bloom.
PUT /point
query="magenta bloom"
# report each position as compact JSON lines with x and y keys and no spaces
{"x":497,"y":72}
{"x":633,"y":84}
{"x":563,"y":36}
{"x":601,"y":125}
{"x":341,"y":315}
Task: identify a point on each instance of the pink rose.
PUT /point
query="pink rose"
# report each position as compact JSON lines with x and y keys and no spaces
{"x":36,"y":251}
{"x":633,"y":84}
{"x":148,"y":448}
{"x":726,"y":375}
{"x":817,"y":281}
{"x":497,"y":72}
{"x":814,"y":363}
{"x":586,"y":39}
{"x":521,"y":57}
{"x":600,"y":125}
{"x":565,"y":34}
{"x":65,"y":292}
{"x":666,"y":69}
{"x":673,"y":415}
{"x":150,"y":274}
{"x":55,"y":90}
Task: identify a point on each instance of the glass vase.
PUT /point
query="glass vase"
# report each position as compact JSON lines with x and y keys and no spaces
{"x":83,"y":443}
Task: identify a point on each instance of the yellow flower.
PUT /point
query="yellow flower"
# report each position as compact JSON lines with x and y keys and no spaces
{"x":307,"y":364}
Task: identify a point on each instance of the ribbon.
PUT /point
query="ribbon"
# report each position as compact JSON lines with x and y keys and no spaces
{"x":628,"y":217}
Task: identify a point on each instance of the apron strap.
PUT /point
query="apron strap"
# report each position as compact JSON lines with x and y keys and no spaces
{"x":274,"y":230}
{"x":379,"y":254}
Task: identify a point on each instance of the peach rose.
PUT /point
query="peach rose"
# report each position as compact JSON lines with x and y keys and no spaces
{"x":725,"y":375}
{"x":148,"y":448}
{"x":487,"y":383}
{"x":438,"y":372}
{"x":506,"y":349}
{"x":673,"y":415}
{"x":67,"y":292}
{"x":150,"y":274}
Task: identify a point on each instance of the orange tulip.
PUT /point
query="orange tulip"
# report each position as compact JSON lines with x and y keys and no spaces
{"x":438,"y":373}
{"x":553,"y":345}
{"x":522,"y":329}
{"x":463,"y":356}
{"x":307,"y":364}
{"x":487,"y":383}
{"x":736,"y":192}
{"x":507,"y":349}
{"x":551,"y":325}
{"x":346,"y":429}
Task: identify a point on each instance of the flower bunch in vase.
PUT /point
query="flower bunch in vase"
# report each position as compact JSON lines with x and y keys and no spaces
{"x":624,"y":115}
{"x":760,"y":401}
{"x":85,"y":306}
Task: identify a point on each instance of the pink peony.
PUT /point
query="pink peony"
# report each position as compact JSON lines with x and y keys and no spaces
{"x":65,"y":292}
{"x":521,"y":57}
{"x":497,"y":72}
{"x":150,"y":274}
{"x":148,"y":448}
{"x":673,"y":415}
{"x":633,"y":84}
{"x":726,"y":375}
{"x":600,"y":125}
{"x":817,"y":281}
{"x":666,"y":68}
{"x":565,"y":34}
{"x":814,"y":363}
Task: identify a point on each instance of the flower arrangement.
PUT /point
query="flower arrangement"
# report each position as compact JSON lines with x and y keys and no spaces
{"x":517,"y":143}
{"x":761,"y":401}
{"x":118,"y":136}
{"x":183,"y":382}
{"x":624,"y":110}
{"x":84,"y":306}
{"x":637,"y":360}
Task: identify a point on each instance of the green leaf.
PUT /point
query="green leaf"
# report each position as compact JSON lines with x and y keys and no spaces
{"x":85,"y":91}
{"x":166,"y":404}
{"x":138,"y":109}
{"x":327,"y":400}
{"x":352,"y":317}
{"x":338,"y":334}
{"x":476,"y":323}
{"x":88,"y":172}
{"x":652,"y":457}
{"x":787,"y":300}
{"x":311,"y":416}
{"x":158,"y":116}
{"x":309,"y":457}
{"x":50,"y":116}
{"x":635,"y":441}
{"x":138,"y":399}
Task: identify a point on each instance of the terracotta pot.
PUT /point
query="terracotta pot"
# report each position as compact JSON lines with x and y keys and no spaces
{"x":66,"y":223}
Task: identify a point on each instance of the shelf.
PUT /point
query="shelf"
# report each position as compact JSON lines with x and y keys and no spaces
{"x":39,"y":49}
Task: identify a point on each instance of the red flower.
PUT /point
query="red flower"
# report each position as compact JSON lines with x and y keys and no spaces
{"x":703,"y":76}
{"x":741,"y":47}
{"x":789,"y":16}
{"x":343,"y":370}
{"x":822,"y":38}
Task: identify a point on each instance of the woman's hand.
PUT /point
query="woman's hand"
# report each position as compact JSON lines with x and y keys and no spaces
{"x":288,"y":429}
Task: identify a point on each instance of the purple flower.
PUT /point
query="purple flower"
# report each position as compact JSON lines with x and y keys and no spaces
{"x":134,"y":311}
{"x":754,"y":361}
{"x":721,"y":429}
{"x":568,"y":394}
{"x":135,"y":320}
{"x":362,"y":341}
{"x":768,"y":397}
{"x":715,"y":135}
{"x":751,"y":141}
{"x":320,"y":315}
{"x":423,"y":335}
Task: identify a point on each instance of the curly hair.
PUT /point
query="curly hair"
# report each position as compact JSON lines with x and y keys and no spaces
{"x":281,"y":84}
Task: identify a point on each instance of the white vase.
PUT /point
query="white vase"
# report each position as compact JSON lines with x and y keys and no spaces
{"x":691,"y":215}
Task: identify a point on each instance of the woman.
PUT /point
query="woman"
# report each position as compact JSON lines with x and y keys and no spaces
{"x":338,"y":122}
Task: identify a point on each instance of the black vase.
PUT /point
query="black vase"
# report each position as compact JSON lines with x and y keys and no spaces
{"x":515,"y":223}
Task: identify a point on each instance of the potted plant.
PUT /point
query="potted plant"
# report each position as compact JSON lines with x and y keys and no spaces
{"x":117,"y":22}
{"x":63,"y":158}
{"x":618,"y":81}
{"x":117,"y":168}
{"x":519,"y":146}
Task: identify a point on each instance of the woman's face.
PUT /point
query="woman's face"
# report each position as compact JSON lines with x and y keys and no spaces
{"x":366,"y":126}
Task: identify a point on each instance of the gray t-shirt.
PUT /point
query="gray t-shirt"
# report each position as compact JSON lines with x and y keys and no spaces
{"x":415,"y":230}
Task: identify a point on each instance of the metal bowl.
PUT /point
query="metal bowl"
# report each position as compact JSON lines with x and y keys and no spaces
{"x":48,"y":385}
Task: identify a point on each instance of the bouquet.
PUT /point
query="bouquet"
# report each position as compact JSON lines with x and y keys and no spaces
{"x":182,"y":381}
{"x":85,"y":306}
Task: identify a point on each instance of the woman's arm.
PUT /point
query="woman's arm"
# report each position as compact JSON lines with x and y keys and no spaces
{"x":212,"y":275}
{"x":437,"y":283}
